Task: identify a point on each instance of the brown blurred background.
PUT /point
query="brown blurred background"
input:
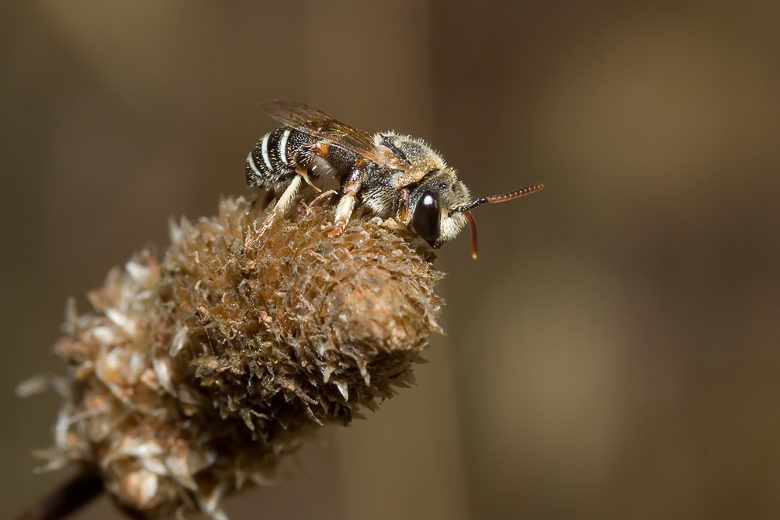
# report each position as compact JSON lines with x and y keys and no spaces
{"x":614,"y":352}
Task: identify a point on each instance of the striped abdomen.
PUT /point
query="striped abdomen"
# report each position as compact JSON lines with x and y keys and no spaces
{"x":272,"y":162}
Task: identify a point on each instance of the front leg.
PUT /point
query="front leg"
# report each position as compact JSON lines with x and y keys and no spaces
{"x":404,"y":215}
{"x":347,"y":202}
{"x":400,"y":223}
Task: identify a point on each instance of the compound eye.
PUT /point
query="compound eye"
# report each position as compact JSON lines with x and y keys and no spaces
{"x":426,"y":217}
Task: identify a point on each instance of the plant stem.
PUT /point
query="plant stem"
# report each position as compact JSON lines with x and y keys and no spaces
{"x":75,"y":493}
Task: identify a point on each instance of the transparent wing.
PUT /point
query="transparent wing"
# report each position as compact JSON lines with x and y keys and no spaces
{"x":320,"y":125}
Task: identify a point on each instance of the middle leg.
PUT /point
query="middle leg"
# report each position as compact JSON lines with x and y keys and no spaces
{"x":347,"y":202}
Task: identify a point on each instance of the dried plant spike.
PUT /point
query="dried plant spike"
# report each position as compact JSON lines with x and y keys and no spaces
{"x":194,"y":377}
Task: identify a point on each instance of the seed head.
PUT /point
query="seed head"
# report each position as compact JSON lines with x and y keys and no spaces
{"x":194,"y":377}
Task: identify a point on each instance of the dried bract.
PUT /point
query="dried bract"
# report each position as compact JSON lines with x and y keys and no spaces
{"x":193,"y":378}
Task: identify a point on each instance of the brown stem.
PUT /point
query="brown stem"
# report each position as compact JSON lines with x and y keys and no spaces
{"x":75,"y":493}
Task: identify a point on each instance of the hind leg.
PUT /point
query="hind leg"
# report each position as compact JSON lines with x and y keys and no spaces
{"x":279,"y":208}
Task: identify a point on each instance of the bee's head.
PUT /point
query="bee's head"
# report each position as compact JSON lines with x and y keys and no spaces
{"x":440,"y":207}
{"x":432,"y":205}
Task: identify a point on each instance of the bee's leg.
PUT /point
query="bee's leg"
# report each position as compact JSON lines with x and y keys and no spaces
{"x":304,"y":173}
{"x":404,"y":215}
{"x":303,"y":207}
{"x":320,"y":198}
{"x":343,"y":212}
{"x":312,"y":160}
{"x":281,"y":205}
{"x":347,"y":202}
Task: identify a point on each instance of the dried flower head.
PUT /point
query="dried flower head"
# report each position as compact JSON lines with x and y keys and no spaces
{"x":193,"y":378}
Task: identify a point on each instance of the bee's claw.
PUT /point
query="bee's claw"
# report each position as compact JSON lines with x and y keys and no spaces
{"x":267,"y":223}
{"x":338,"y":227}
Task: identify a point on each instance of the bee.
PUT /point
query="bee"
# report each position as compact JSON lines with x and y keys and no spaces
{"x":394,"y":176}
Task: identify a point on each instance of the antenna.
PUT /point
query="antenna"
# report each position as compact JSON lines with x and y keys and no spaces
{"x":493,"y":199}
